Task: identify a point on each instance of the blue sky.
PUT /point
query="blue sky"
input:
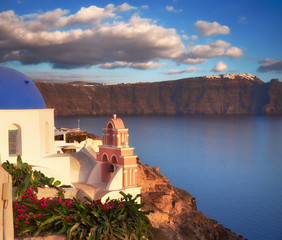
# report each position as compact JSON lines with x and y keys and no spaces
{"x":134,"y":41}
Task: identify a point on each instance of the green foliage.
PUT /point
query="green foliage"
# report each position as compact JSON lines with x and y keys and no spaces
{"x":114,"y":219}
{"x":23,"y":177}
{"x":89,"y":220}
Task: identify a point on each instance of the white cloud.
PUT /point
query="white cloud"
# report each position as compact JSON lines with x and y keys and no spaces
{"x":124,"y":7}
{"x":47,"y":37}
{"x":63,"y":77}
{"x":220,"y":67}
{"x":84,"y":39}
{"x":233,"y":52}
{"x":142,"y":66}
{"x":192,"y":69}
{"x":145,"y":7}
{"x":269,"y":65}
{"x":208,"y":29}
{"x":172,"y":9}
{"x":179,"y":71}
{"x":192,"y":61}
{"x":214,"y":50}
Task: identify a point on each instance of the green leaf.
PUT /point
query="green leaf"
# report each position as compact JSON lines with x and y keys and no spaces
{"x":57,"y":183}
{"x":71,"y":230}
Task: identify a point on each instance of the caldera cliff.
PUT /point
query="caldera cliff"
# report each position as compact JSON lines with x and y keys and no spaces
{"x":217,"y":94}
{"x":175,"y":212}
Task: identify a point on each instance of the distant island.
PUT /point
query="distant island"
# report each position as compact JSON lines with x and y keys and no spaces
{"x":215,"y":94}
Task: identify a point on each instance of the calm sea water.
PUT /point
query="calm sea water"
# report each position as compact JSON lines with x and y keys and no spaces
{"x":232,"y":165}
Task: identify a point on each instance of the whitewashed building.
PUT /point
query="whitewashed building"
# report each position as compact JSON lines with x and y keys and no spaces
{"x":27,"y":130}
{"x":27,"y":126}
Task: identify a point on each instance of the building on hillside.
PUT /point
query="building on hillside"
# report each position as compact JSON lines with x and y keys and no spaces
{"x":27,"y":130}
{"x":116,"y":165}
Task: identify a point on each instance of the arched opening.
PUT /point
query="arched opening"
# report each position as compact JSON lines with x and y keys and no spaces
{"x":15,"y":140}
{"x":114,"y":159}
{"x":105,"y":158}
{"x":110,"y":125}
{"x":110,"y":134}
{"x":113,"y":163}
{"x":47,"y":138}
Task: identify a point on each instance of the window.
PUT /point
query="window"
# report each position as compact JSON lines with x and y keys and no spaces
{"x":14,"y":140}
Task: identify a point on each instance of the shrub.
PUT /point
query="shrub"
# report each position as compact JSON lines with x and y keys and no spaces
{"x":23,"y":177}
{"x":114,"y":219}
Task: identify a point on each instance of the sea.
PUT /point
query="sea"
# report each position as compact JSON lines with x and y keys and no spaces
{"x":232,"y":165}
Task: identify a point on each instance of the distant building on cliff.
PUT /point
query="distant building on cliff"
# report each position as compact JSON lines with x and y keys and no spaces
{"x":27,"y":130}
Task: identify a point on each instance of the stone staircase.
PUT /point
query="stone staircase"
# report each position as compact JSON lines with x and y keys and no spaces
{"x":94,"y":192}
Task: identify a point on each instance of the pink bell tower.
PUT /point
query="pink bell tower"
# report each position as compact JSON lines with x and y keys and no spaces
{"x":115,"y":154}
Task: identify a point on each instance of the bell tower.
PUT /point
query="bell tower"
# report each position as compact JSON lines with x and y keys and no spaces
{"x":115,"y":155}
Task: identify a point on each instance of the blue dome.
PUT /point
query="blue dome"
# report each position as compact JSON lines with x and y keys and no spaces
{"x":18,"y":92}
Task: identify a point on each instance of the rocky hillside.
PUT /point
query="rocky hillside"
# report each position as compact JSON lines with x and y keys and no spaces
{"x":217,"y":94}
{"x":175,"y":212}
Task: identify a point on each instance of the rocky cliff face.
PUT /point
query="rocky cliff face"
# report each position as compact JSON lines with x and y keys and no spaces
{"x":274,"y":105}
{"x":175,"y":212}
{"x":218,"y":94}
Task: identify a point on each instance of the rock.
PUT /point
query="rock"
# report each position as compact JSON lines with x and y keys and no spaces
{"x":175,"y":212}
{"x":216,"y":94}
{"x":274,"y":105}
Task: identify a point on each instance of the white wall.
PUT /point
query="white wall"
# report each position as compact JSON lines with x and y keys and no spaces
{"x":33,"y":140}
{"x":32,"y":123}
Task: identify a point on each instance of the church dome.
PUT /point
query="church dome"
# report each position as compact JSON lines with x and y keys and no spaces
{"x":18,"y":92}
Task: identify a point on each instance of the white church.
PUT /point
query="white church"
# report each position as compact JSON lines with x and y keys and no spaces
{"x":27,"y":130}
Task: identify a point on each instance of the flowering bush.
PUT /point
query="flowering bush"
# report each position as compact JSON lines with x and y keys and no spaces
{"x":89,"y":220}
{"x":23,"y":177}
{"x":114,"y":219}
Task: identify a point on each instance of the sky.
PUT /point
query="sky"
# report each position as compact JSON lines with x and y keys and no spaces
{"x":140,"y":41}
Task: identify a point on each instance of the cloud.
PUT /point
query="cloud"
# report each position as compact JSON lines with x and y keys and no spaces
{"x":98,"y":36}
{"x":233,"y":52}
{"x":269,"y":65}
{"x":208,"y":29}
{"x":179,"y":71}
{"x":57,"y":18}
{"x":214,"y":50}
{"x":124,"y":7}
{"x":220,"y":67}
{"x":172,"y":9}
{"x":185,"y":37}
{"x":63,"y":77}
{"x":47,"y":37}
{"x":145,"y":7}
{"x":141,"y":66}
{"x":191,"y":61}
